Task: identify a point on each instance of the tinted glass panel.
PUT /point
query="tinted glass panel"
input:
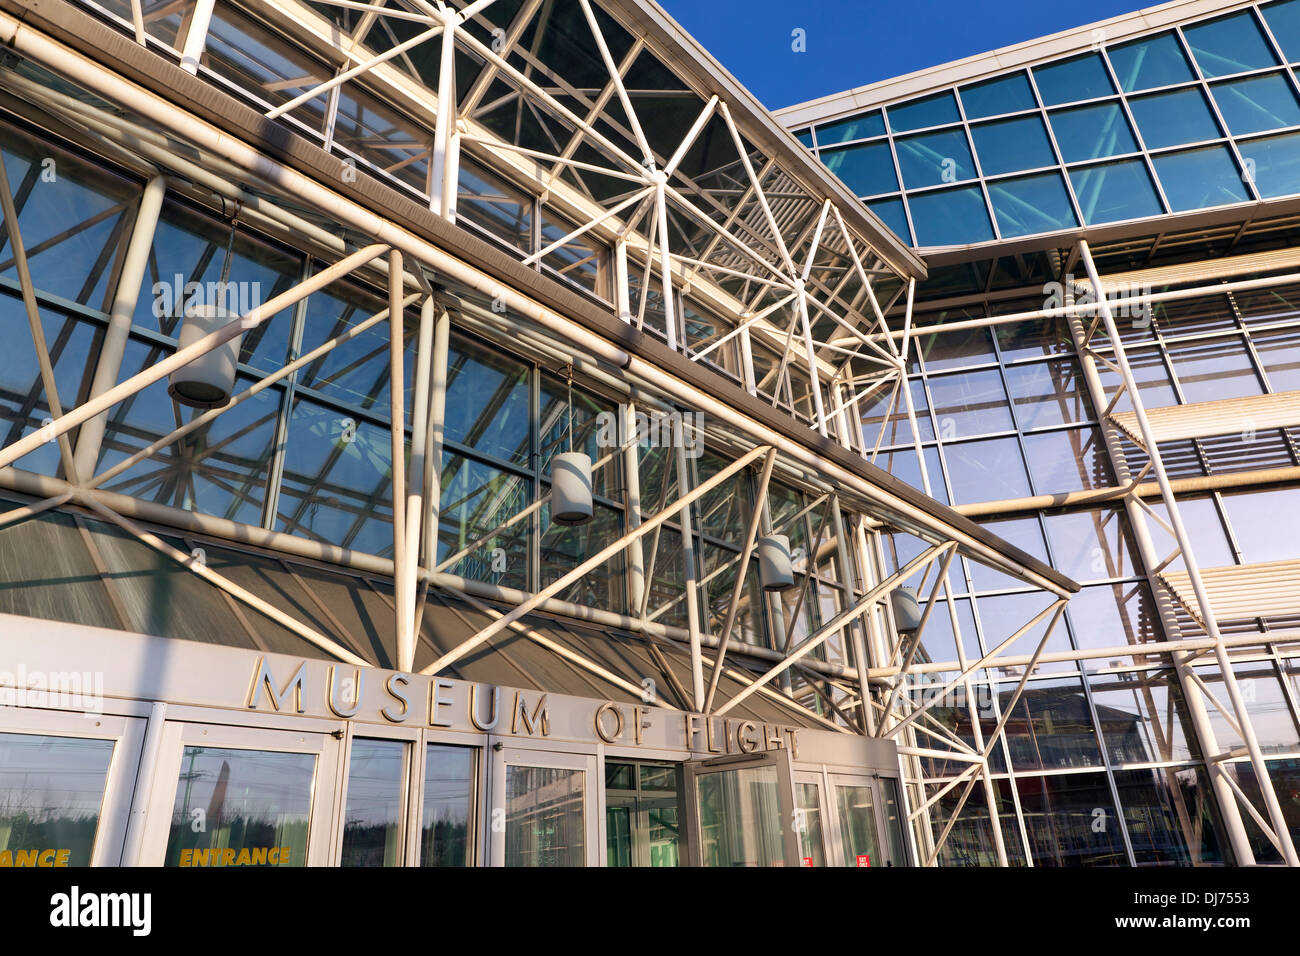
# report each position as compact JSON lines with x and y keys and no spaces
{"x":371,"y":825}
{"x":858,"y":826}
{"x":866,"y":170}
{"x":969,"y":403}
{"x":1149,"y":62}
{"x":1010,"y":145}
{"x":254,"y":805}
{"x":1229,"y":45}
{"x":1115,"y":191}
{"x":1083,"y":78}
{"x":1200,"y":177}
{"x":986,"y":470}
{"x":1265,"y":523}
{"x":920,"y":113}
{"x":950,"y":217}
{"x":1168,"y":815}
{"x":1070,"y":460}
{"x":1005,"y":94}
{"x":1276,"y":162}
{"x":1284,"y":23}
{"x":934,"y":158}
{"x":544,"y":817}
{"x":855,"y":127}
{"x":1091,"y":132}
{"x":448,"y":806}
{"x":1031,"y":204}
{"x":892,"y":214}
{"x":1063,"y":822}
{"x":1168,"y":119}
{"x":51,"y":789}
{"x":1047,"y":393}
{"x":805,"y":137}
{"x":1257,"y":103}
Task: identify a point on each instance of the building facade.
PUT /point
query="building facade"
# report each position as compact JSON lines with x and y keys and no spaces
{"x":1154,"y":153}
{"x":479,"y":433}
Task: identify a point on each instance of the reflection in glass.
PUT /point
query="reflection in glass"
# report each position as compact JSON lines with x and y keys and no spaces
{"x":1173,"y":118}
{"x":861,"y":126}
{"x":1231,"y":44}
{"x":866,"y":170}
{"x":1007,"y":146}
{"x":933,"y":110}
{"x":1068,"y":81}
{"x":372,"y":822}
{"x":1149,"y":62}
{"x":892,"y":214}
{"x":857,"y":825}
{"x":1070,"y":819}
{"x":1031,"y":204}
{"x":1254,"y":104}
{"x":254,"y":804}
{"x":1092,"y":132}
{"x":950,"y":217}
{"x":545,"y":817}
{"x":986,"y":470}
{"x":1199,"y":178}
{"x":1143,"y":717}
{"x":812,"y":850}
{"x":1277,"y":164}
{"x":1071,"y":459}
{"x":1002,"y":94}
{"x":1169,"y":816}
{"x":740,"y":817}
{"x":448,"y":806}
{"x":933,"y":158}
{"x":1112,"y":192}
{"x":51,"y":789}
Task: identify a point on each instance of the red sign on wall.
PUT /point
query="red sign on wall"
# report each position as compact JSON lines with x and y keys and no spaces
{"x":805,"y":861}
{"x":864,"y":859}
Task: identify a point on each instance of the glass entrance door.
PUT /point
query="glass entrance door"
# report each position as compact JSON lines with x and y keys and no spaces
{"x":741,"y":810}
{"x":866,"y":821}
{"x":65,"y":786}
{"x":241,"y":796}
{"x":543,"y":809}
{"x":642,"y":814}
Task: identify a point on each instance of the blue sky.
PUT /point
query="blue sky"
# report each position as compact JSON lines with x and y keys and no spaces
{"x":854,"y":43}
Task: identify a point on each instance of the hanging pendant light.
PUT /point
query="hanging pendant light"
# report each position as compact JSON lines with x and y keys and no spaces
{"x":571,"y":477}
{"x":907,"y":610}
{"x":775,"y":569}
{"x":209,"y":380}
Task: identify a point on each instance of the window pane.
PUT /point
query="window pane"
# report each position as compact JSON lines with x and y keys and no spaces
{"x":1216,"y":369}
{"x":934,"y":158}
{"x":1265,"y":702}
{"x":1063,"y":823}
{"x":1004,"y":94}
{"x":1003,"y":615}
{"x":858,"y":826}
{"x":950,"y":217}
{"x":1091,"y":545}
{"x":855,"y":127}
{"x":953,"y":349}
{"x":1199,"y":178}
{"x":1231,"y":44}
{"x":564,"y":547}
{"x":1010,"y":145}
{"x":1067,"y":81}
{"x":492,"y":205}
{"x":545,"y":823}
{"x":487,"y":402}
{"x":448,"y":806}
{"x":579,"y":260}
{"x":1092,"y":132}
{"x":1051,"y":727}
{"x":51,"y":789}
{"x":1284,"y":23}
{"x":920,"y":113}
{"x":1143,"y":717}
{"x":866,"y":170}
{"x":1025,"y":534}
{"x":1031,"y":204}
{"x":1280,"y":354}
{"x":1257,"y":103}
{"x":740,"y":817}
{"x":811,"y":848}
{"x":892,"y":214}
{"x":255,"y":805}
{"x":1115,"y":191}
{"x":1266,"y":524}
{"x":1111,"y":615}
{"x":1168,"y":119}
{"x":1149,"y":62}
{"x":987,"y":470}
{"x":475,"y":499}
{"x":1276,"y":161}
{"x":372,"y":822}
{"x":1169,"y":817}
{"x":1069,"y":460}
{"x":1048,"y":393}
{"x":969,"y":403}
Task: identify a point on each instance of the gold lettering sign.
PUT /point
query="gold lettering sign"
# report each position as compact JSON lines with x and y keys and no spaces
{"x":228,"y":856}
{"x":34,"y":858}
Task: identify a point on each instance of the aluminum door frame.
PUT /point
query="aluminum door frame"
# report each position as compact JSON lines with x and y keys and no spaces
{"x":780,"y":759}
{"x":518,"y":752}
{"x":177,"y":734}
{"x":127,"y":734}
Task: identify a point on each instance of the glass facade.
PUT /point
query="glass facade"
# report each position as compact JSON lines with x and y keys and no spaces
{"x":1182,"y":119}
